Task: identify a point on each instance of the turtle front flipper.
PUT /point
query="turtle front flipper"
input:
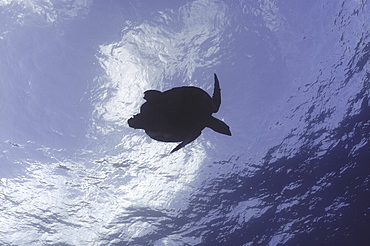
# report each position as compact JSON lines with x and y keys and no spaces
{"x":186,"y":141}
{"x":218,"y":126}
{"x":152,"y":95}
{"x":216,"y":98}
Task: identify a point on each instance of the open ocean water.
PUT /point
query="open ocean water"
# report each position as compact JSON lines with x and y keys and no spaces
{"x":295,"y":81}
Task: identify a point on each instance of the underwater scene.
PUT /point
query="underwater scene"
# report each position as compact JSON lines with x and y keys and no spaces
{"x":197,"y":122}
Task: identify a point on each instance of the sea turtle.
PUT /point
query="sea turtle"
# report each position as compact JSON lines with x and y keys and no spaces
{"x":179,"y":114}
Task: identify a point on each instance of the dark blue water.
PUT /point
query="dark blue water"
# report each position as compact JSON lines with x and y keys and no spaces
{"x":295,"y":85}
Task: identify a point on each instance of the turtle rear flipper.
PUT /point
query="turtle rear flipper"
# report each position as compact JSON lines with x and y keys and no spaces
{"x":218,"y":126}
{"x":186,"y":141}
{"x":216,"y":97}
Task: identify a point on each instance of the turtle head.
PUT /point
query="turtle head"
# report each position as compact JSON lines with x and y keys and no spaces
{"x":136,"y":122}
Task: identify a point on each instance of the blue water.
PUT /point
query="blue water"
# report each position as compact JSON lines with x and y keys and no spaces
{"x":295,"y":85}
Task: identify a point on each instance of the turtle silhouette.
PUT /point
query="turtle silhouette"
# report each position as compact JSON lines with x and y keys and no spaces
{"x":179,"y":114}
